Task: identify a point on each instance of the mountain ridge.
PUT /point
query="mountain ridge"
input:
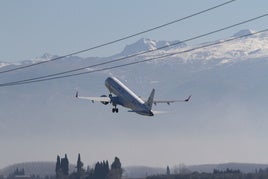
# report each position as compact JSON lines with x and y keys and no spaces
{"x":253,"y":45}
{"x":143,"y":45}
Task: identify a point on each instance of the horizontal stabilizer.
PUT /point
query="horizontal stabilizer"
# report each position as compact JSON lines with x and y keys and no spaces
{"x":145,"y":113}
{"x":172,"y":101}
{"x":103,"y":99}
{"x":160,"y":112}
{"x":154,"y":112}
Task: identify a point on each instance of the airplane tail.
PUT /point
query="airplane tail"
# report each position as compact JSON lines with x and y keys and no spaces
{"x":149,"y":102}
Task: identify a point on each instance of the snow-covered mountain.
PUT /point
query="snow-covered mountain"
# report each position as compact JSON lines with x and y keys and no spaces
{"x":254,"y":46}
{"x":225,"y":121}
{"x":244,"y":32}
{"x":143,"y":45}
{"x":245,"y":48}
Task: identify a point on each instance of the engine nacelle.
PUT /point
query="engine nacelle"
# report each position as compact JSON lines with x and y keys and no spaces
{"x":105,"y":103}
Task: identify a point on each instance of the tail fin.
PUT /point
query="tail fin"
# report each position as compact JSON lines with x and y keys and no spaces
{"x":149,"y":102}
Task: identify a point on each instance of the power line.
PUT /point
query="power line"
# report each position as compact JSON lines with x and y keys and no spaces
{"x":132,"y":63}
{"x":121,"y":39}
{"x":137,"y":54}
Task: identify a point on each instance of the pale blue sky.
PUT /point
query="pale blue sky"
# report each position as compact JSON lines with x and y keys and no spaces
{"x":30,"y":28}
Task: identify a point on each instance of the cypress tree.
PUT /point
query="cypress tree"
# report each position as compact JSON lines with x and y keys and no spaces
{"x":168,"y":170}
{"x":79,"y":165}
{"x":65,"y":165}
{"x":106,"y":166}
{"x":116,"y":164}
{"x":58,"y":167}
{"x":116,"y":170}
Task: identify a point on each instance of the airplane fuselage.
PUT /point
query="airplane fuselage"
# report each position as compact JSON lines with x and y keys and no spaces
{"x":125,"y":97}
{"x":120,"y":94}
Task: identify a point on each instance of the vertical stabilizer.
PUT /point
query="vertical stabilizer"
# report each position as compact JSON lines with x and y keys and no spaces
{"x":149,"y":102}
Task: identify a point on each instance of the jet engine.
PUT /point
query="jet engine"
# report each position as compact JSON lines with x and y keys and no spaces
{"x":105,"y":103}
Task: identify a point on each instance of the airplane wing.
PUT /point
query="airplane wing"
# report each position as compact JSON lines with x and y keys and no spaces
{"x":103,"y":99}
{"x":171,"y":101}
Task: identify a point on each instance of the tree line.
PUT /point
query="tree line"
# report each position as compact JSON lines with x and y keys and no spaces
{"x":217,"y":174}
{"x":101,"y":170}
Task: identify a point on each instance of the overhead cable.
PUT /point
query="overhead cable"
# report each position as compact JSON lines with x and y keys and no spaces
{"x":142,"y":53}
{"x":118,"y":40}
{"x":133,"y":63}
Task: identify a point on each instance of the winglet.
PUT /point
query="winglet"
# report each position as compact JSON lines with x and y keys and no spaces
{"x":76,"y":94}
{"x":188,"y":99}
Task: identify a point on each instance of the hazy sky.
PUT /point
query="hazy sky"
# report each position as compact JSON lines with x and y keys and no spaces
{"x":30,"y":28}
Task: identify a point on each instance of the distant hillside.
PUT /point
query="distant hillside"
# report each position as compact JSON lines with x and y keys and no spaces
{"x":34,"y":168}
{"x":243,"y":167}
{"x":48,"y":169}
{"x":143,"y":171}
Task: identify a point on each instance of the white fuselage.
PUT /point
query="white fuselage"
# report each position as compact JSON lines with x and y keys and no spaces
{"x":126,"y":97}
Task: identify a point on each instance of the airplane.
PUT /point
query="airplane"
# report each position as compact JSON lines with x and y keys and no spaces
{"x":125,"y":97}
